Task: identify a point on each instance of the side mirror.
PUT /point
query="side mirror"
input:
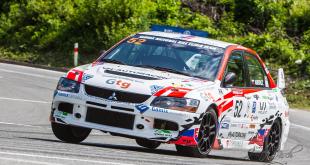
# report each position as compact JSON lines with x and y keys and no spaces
{"x":230,"y":78}
{"x":281,"y":79}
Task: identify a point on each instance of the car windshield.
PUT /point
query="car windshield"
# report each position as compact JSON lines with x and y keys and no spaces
{"x":171,"y":55}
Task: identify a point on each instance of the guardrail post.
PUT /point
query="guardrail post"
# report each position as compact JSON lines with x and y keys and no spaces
{"x":76,"y":53}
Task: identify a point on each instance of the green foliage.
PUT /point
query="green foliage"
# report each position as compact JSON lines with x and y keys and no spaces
{"x":44,"y":32}
{"x":298,"y":93}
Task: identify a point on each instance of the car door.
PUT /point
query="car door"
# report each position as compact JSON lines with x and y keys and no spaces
{"x":234,"y":122}
{"x":264,"y":98}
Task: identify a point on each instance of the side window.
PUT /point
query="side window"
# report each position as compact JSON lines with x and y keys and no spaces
{"x":257,"y":76}
{"x":235,"y":65}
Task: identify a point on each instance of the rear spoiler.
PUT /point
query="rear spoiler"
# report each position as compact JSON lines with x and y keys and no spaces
{"x":173,"y":29}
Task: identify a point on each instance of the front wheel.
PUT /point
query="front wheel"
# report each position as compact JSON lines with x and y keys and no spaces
{"x":70,"y":134}
{"x":148,"y":143}
{"x":206,"y":136}
{"x":271,"y":144}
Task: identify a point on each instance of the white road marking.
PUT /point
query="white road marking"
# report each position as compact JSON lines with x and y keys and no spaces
{"x":27,"y":161}
{"x":25,"y":100}
{"x":24,"y":125}
{"x":300,"y":126}
{"x":94,"y":132}
{"x":62,"y":158}
{"x":29,"y":74}
{"x":29,"y":68}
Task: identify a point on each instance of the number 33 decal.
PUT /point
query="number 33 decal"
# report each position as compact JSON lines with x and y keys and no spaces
{"x":238,"y":108}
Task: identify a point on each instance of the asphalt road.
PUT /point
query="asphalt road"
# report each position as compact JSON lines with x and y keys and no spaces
{"x":26,"y":136}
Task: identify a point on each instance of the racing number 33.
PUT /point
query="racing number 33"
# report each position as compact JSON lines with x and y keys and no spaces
{"x":238,"y":108}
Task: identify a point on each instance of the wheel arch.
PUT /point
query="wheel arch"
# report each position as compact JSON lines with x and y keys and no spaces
{"x":213,"y":105}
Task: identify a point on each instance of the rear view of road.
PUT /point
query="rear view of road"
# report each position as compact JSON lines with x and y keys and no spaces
{"x":26,"y":136}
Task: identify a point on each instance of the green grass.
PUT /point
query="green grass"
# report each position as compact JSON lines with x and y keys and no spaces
{"x":298,"y":93}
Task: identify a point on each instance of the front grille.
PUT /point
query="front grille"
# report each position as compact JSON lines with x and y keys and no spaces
{"x":164,"y":124}
{"x":65,"y":107}
{"x":110,"y":118}
{"x":116,"y":95}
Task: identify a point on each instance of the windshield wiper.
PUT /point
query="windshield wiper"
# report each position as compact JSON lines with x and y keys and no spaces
{"x":163,"y":69}
{"x":113,"y":61}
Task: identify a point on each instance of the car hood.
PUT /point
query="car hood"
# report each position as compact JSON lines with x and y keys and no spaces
{"x":138,"y":80}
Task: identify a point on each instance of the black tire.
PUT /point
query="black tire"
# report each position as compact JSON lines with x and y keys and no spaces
{"x":148,"y":143}
{"x":206,"y":137}
{"x":271,"y":144}
{"x":70,"y":134}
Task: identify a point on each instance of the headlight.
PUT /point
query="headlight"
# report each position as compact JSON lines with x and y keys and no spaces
{"x":67,"y":85}
{"x":180,"y":104}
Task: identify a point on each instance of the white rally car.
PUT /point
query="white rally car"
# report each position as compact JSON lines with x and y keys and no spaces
{"x":157,"y":87}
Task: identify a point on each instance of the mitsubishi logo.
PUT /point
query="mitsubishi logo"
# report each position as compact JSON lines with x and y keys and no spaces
{"x":113,"y":97}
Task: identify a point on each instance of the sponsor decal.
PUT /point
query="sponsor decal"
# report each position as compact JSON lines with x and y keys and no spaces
{"x":62,"y":94}
{"x":272,"y":106}
{"x":135,"y":72}
{"x":256,"y":96}
{"x":259,"y":137}
{"x":252,"y":126}
{"x":203,"y":46}
{"x":157,"y":109}
{"x":162,"y":132}
{"x":254,"y":117}
{"x":225,"y":126}
{"x":207,"y":96}
{"x":155,"y":88}
{"x":262,"y":108}
{"x":142,"y":108}
{"x":238,"y":125}
{"x":236,"y":135}
{"x":258,"y":82}
{"x":177,"y":85}
{"x":189,"y":133}
{"x":237,"y":92}
{"x":226,"y":119}
{"x":188,"y":137}
{"x":119,"y":83}
{"x":87,"y":77}
{"x":236,"y":143}
{"x":60,"y":114}
{"x":221,"y":92}
{"x":254,"y":107}
{"x":74,"y":96}
{"x":266,"y":81}
{"x":196,"y":133}
{"x":75,"y":74}
{"x":251,"y":132}
{"x":275,"y":90}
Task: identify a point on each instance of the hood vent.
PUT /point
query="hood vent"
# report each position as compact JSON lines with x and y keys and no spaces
{"x":130,"y":75}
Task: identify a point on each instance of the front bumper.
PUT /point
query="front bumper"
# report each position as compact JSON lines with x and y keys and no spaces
{"x":136,"y":120}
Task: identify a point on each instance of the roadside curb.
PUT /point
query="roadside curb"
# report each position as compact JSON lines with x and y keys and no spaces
{"x":61,"y":69}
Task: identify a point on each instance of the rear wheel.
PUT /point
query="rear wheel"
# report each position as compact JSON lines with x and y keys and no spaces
{"x":206,"y":136}
{"x":148,"y":143}
{"x":271,"y":144}
{"x":70,"y":134}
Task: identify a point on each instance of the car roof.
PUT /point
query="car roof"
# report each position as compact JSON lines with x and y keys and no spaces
{"x":186,"y":37}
